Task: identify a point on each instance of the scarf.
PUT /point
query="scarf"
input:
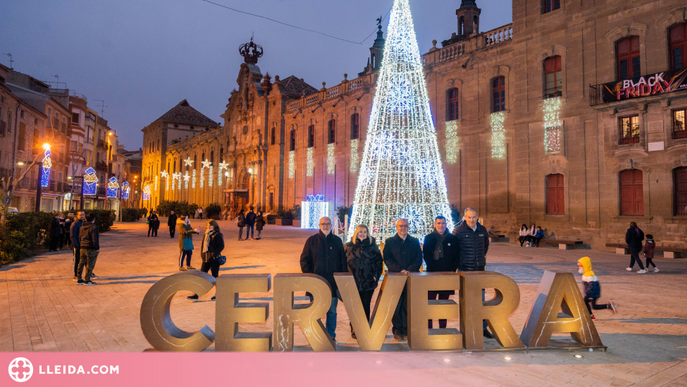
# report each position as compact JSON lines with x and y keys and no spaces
{"x":206,"y":242}
{"x":439,"y":248}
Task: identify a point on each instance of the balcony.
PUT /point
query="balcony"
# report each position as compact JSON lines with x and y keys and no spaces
{"x":101,"y":166}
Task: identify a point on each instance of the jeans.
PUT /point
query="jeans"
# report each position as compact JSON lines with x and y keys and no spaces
{"x":331,"y":318}
{"x":211,"y":266}
{"x":77,"y":257}
{"x":634,"y":254}
{"x":592,"y":301}
{"x":240,"y":233}
{"x":88,"y":259}
{"x":185,"y":254}
{"x":249,"y":230}
{"x":259,"y":233}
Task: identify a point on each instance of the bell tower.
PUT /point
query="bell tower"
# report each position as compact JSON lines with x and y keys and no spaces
{"x":468,"y":19}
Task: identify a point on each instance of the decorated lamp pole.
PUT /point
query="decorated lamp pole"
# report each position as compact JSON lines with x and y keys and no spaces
{"x":43,"y":175}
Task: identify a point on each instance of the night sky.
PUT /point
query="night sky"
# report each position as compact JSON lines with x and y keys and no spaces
{"x":142,"y":57}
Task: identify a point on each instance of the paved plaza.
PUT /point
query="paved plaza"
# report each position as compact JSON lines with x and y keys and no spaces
{"x":44,"y":309}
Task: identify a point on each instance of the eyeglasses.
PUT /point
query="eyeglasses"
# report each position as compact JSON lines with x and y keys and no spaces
{"x":325,"y":224}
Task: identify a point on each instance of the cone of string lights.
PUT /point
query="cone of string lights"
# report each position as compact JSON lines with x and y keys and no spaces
{"x":401,"y":175}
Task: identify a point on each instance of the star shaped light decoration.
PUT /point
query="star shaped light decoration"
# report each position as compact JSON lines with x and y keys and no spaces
{"x":188,"y":162}
{"x":164,"y":174}
{"x":206,"y":164}
{"x":223,"y":165}
{"x":187,"y":177}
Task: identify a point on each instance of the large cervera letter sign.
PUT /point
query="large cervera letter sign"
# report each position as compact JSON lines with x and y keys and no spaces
{"x":558,"y":308}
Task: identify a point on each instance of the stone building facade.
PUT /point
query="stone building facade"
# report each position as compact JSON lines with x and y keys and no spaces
{"x":531,"y":120}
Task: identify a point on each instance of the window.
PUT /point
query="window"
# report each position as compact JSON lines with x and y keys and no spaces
{"x":311,"y":136}
{"x":498,"y":92}
{"x":273,"y":138}
{"x":553,"y":86}
{"x":22,"y":137}
{"x":680,"y":187}
{"x":355,"y":126}
{"x":550,"y":5}
{"x":331,"y":137}
{"x":452,"y":104}
{"x":678,"y":46}
{"x":627,"y":51}
{"x":555,"y":194}
{"x":629,"y":130}
{"x":679,"y":121}
{"x":292,"y":140}
{"x":75,"y":118}
{"x":631,"y":192}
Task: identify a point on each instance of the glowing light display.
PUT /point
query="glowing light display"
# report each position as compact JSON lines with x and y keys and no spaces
{"x":155,"y":182}
{"x":193,"y":179}
{"x":90,"y":182}
{"x":292,"y":164}
{"x":112,"y":188}
{"x":451,"y":144}
{"x":146,"y":192}
{"x":45,"y":170}
{"x":179,"y":179}
{"x":312,"y":210}
{"x":126,"y":190}
{"x":210,"y":176}
{"x":354,"y":155}
{"x":188,"y":162}
{"x":331,"y":161}
{"x":552,"y":125}
{"x":401,"y":175}
{"x":498,"y":135}
{"x":186,"y":178}
{"x":222,"y":166}
{"x":310,"y":163}
{"x":206,"y":164}
{"x":165,"y":176}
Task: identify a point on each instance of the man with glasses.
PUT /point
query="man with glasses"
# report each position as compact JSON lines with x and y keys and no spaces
{"x":402,"y":254}
{"x":323,"y":254}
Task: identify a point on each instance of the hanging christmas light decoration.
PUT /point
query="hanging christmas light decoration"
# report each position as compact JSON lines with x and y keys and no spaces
{"x":155,"y":182}
{"x":206,"y":164}
{"x":312,"y":210}
{"x":210,"y":176}
{"x":401,"y":175}
{"x":146,"y":192}
{"x":165,"y":176}
{"x":310,"y":163}
{"x":47,"y":164}
{"x":331,"y":161}
{"x":186,"y":179}
{"x":112,"y":187}
{"x":451,"y":142}
{"x":292,"y":164}
{"x":354,"y":155}
{"x":193,"y":180}
{"x":552,"y":125}
{"x":498,"y":135}
{"x":188,"y":162}
{"x":90,"y":182}
{"x":222,"y":166}
{"x":126,"y":189}
{"x":179,"y":179}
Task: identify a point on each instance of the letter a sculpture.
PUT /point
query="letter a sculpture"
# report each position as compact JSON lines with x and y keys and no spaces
{"x":401,"y":174}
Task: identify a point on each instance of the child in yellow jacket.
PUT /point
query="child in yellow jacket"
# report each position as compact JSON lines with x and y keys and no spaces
{"x":592,"y":289}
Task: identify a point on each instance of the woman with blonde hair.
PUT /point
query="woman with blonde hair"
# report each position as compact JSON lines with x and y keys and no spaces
{"x":365,"y":263}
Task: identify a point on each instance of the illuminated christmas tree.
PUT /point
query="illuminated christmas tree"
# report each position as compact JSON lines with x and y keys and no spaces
{"x":401,"y":174}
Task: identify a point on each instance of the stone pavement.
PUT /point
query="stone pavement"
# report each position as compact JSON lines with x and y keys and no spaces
{"x":42,"y":309}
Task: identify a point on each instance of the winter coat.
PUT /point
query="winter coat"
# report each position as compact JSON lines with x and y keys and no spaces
{"x":154,"y":221}
{"x":89,"y":238}
{"x":634,"y":238}
{"x":55,"y":227}
{"x":259,"y":222}
{"x":324,"y":256}
{"x":402,"y":254}
{"x":74,"y":233}
{"x":242,"y":220}
{"x":365,"y":263}
{"x":216,"y":245}
{"x":451,"y":259}
{"x":472,"y":247}
{"x":172,"y":221}
{"x":539,"y":234}
{"x":649,"y":248}
{"x":524,"y":233}
{"x":250,"y":218}
{"x":185,"y":231}
{"x":592,"y":288}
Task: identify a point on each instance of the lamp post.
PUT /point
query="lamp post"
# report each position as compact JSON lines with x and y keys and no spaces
{"x":46,"y":164}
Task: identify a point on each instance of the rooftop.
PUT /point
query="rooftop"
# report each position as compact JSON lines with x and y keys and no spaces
{"x":183,"y":113}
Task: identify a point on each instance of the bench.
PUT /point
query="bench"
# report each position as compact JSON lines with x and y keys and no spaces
{"x":668,"y":251}
{"x":498,"y":236}
{"x":564,"y":244}
{"x":620,"y":248}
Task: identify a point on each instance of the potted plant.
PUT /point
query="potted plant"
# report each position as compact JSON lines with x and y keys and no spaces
{"x":296,"y":211}
{"x":287,"y":220}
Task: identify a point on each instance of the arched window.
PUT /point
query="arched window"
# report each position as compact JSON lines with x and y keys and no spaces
{"x":452,"y":104}
{"x":331,"y":137}
{"x":355,"y":126}
{"x":678,"y":46}
{"x":553,"y":86}
{"x":555,"y":194}
{"x":195,"y":161}
{"x":461,"y":26}
{"x":273,"y":138}
{"x":680,"y":191}
{"x":311,"y":136}
{"x":627,"y":55}
{"x":550,"y":5}
{"x":292,"y":140}
{"x":631,"y":192}
{"x":498,"y":92}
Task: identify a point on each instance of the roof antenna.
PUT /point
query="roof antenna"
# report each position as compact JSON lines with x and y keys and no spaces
{"x":102,"y":106}
{"x":11,"y":61}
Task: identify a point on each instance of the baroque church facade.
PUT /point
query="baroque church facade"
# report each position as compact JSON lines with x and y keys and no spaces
{"x":572,"y":117}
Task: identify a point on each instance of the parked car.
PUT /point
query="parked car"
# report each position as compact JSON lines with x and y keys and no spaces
{"x":12,"y":210}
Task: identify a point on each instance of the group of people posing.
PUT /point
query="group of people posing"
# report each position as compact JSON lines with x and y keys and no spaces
{"x":85,"y":241}
{"x":325,"y":254}
{"x":252,"y":221}
{"x":530,"y":237}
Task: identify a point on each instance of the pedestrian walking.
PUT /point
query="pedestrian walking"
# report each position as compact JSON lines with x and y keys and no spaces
{"x":241,"y":223}
{"x":90,"y":248}
{"x":250,"y":223}
{"x":634,"y":238}
{"x":260,"y":223}
{"x":76,"y":247}
{"x":323,"y":254}
{"x":200,"y":212}
{"x":649,"y":247}
{"x":441,"y":255}
{"x":185,"y":242}
{"x":365,"y":262}
{"x":212,"y":246}
{"x":172,"y":223}
{"x":473,"y":245}
{"x":402,"y":254}
{"x":592,"y":288}
{"x":524,"y":234}
{"x":153,"y":223}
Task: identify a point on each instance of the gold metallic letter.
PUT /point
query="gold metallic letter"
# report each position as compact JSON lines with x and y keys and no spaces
{"x":230,"y":312}
{"x":473,"y":310}
{"x":558,"y":290}
{"x":156,"y":322}
{"x":286,"y":313}
{"x":371,"y":334}
{"x":420,"y":309}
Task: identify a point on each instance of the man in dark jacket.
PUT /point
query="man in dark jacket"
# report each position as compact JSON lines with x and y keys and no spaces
{"x":54,"y":232}
{"x":441,"y":254}
{"x":473,"y":244}
{"x":634,"y":238}
{"x":90,"y":247}
{"x":250,"y":223}
{"x":402,"y":254}
{"x":323,"y":254}
{"x":172,"y":223}
{"x":74,"y":235}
